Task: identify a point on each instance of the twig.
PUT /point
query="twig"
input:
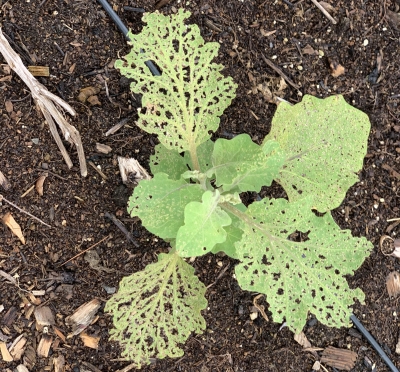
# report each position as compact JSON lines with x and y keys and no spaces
{"x":21,"y":210}
{"x":117,"y":126}
{"x":121,"y":226}
{"x":98,"y":171}
{"x":59,"y":49}
{"x":324,"y":11}
{"x":28,"y":191}
{"x":223,"y":271}
{"x":280,"y":72}
{"x":53,"y":174}
{"x":88,"y":249}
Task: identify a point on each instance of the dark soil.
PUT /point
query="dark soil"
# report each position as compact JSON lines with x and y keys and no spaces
{"x":43,"y":32}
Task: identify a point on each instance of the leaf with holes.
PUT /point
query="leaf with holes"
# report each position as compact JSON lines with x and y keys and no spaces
{"x":156,"y":310}
{"x":160,"y":203}
{"x":325,"y":141}
{"x":183,"y":105}
{"x":204,"y":226}
{"x":240,"y":164}
{"x":168,"y":161}
{"x":299,"y":276}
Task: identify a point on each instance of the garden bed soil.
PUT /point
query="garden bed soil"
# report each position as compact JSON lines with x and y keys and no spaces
{"x":79,"y":43}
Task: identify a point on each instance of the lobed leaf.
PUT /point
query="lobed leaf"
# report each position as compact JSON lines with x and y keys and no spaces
{"x":183,"y":105}
{"x":325,"y":141}
{"x":156,"y":310}
{"x":204,"y":226}
{"x":299,"y":276}
{"x":160,"y":203}
{"x":240,"y":164}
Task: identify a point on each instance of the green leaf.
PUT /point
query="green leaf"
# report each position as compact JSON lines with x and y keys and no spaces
{"x":167,"y":161}
{"x":234,"y":233}
{"x":203,"y":227}
{"x":204,"y":152}
{"x":240,"y":164}
{"x":325,"y":141}
{"x":299,"y":276}
{"x":183,"y":105}
{"x":156,"y":310}
{"x":160,"y":203}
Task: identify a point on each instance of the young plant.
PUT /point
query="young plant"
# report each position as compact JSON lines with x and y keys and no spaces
{"x":314,"y":151}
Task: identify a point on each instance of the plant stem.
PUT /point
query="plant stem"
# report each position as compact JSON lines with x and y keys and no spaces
{"x":194,"y":158}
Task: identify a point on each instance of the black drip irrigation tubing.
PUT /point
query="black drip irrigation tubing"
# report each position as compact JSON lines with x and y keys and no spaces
{"x":154,"y":71}
{"x":114,"y":16}
{"x":373,"y":343}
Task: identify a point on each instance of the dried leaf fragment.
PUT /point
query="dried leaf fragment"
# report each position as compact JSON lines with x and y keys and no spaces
{"x":90,"y":341}
{"x":9,"y":107}
{"x":308,"y":49}
{"x":9,"y":221}
{"x":393,"y":284}
{"x":40,"y":182}
{"x":336,"y":68}
{"x":301,"y":338}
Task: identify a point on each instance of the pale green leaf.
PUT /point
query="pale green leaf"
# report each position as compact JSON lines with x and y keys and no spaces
{"x":240,"y":164}
{"x":204,"y":153}
{"x":160,"y":203}
{"x":183,"y":105}
{"x":156,"y":310}
{"x":167,"y":161}
{"x":234,"y":233}
{"x":325,"y":141}
{"x":204,"y":226}
{"x":299,"y":276}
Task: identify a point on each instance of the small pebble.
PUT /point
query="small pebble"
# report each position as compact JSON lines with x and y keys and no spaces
{"x":365,"y":43}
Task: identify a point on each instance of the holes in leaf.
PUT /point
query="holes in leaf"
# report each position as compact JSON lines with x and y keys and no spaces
{"x":337,"y":272}
{"x":265,"y":260}
{"x":299,"y":236}
{"x":280,"y":292}
{"x":277,"y":276}
{"x":313,"y":293}
{"x":298,"y":191}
